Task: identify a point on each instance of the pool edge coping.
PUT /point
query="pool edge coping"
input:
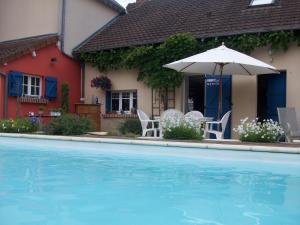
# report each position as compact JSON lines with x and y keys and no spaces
{"x":229,"y":147}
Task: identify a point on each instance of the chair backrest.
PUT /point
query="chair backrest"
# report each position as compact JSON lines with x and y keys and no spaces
{"x":171,"y":113}
{"x":195,"y":114}
{"x":194,"y":119}
{"x":224,"y":120}
{"x":144,"y":118}
{"x":288,"y":116}
{"x":171,"y":118}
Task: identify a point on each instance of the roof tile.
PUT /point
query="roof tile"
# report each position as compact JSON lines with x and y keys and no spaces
{"x":155,"y":20}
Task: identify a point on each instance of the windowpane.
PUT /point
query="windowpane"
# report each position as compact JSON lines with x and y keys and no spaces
{"x":32,"y":90}
{"x":115,"y":105}
{"x":125,"y":104}
{"x":37,"y":82}
{"x":134,"y":103}
{"x":32,"y":81}
{"x":115,"y":95}
{"x":37,"y":90}
{"x":134,"y":94}
{"x":25,"y":80}
{"x":126,"y":95}
{"x":25,"y":89}
{"x":261,"y":2}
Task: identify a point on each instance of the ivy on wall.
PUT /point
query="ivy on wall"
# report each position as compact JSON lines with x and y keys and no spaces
{"x":149,"y":59}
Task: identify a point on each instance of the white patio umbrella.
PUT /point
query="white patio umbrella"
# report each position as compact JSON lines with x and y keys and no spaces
{"x":219,"y":61}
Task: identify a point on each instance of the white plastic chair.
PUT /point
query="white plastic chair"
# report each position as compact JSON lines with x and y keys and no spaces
{"x":288,"y":121}
{"x":194,"y":114}
{"x":194,"y":119}
{"x":222,"y":123}
{"x":146,"y":122}
{"x":171,"y":113}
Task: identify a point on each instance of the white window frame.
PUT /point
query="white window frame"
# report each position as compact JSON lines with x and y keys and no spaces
{"x":29,"y":77}
{"x":252,"y":3}
{"x":131,"y":98}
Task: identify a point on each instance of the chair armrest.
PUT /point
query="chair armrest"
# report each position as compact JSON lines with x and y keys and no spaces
{"x":288,"y":131}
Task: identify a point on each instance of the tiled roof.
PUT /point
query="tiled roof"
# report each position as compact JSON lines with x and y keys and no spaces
{"x":114,"y":5}
{"x":10,"y":50}
{"x":155,"y":20}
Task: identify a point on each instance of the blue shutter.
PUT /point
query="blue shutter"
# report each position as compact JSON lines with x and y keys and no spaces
{"x":108,"y":101}
{"x":51,"y":88}
{"x":212,"y":98}
{"x":15,"y":81}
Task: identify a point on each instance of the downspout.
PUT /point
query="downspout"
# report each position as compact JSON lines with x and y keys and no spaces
{"x":63,"y":21}
{"x":82,"y":81}
{"x":5,"y":103}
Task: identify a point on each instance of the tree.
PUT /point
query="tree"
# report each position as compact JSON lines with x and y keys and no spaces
{"x":65,"y":102}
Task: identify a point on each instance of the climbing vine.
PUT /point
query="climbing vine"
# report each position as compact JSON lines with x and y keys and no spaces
{"x":149,"y":59}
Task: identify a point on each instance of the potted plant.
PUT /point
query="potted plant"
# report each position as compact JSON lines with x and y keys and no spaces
{"x":41,"y":110}
{"x":102,"y":82}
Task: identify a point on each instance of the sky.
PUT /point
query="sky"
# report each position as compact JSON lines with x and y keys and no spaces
{"x":125,"y":2}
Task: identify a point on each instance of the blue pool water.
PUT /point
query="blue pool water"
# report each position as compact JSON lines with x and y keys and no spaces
{"x":72,"y":183}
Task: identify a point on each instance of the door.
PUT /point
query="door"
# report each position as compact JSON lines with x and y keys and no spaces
{"x":212,"y":96}
{"x":271,"y":94}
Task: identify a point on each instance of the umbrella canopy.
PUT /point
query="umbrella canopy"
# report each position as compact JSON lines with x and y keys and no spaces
{"x":219,"y":61}
{"x":210,"y":63}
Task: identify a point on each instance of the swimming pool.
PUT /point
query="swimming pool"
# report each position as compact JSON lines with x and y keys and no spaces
{"x":73,"y":183}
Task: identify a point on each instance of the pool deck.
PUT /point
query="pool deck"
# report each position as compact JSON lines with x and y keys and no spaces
{"x":220,"y":145}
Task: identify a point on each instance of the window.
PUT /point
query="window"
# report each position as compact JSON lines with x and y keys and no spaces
{"x":123,"y":101}
{"x":31,"y":86}
{"x":261,"y":2}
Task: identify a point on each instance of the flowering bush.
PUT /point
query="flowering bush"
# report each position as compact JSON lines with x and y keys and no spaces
{"x":171,"y":120}
{"x":102,"y":82}
{"x":193,"y":122}
{"x":18,"y":125}
{"x":268,"y":131}
{"x":179,"y":127}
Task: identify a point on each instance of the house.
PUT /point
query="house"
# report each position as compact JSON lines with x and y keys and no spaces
{"x":150,"y":22}
{"x":36,"y":47}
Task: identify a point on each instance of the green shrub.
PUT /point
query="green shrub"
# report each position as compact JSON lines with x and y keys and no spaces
{"x":65,"y":102}
{"x":68,"y":124}
{"x":20,"y":125}
{"x":183,"y":133}
{"x":131,"y":126}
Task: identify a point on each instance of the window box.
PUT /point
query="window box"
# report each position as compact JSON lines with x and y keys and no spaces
{"x":33,"y":100}
{"x":118,"y":116}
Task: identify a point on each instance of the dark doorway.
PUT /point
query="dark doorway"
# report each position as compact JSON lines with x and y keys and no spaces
{"x":271,"y":94}
{"x":196,"y":93}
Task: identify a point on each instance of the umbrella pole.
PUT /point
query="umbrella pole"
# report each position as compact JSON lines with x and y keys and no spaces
{"x":220,"y":91}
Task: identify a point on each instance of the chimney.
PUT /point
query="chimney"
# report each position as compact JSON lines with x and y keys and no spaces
{"x":132,"y":6}
{"x":139,"y":2}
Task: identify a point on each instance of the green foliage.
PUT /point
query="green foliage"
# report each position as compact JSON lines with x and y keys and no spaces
{"x":130,"y":126}
{"x":68,"y":124}
{"x":21,"y":125}
{"x":65,"y":102}
{"x":183,"y":133}
{"x":149,"y":59}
